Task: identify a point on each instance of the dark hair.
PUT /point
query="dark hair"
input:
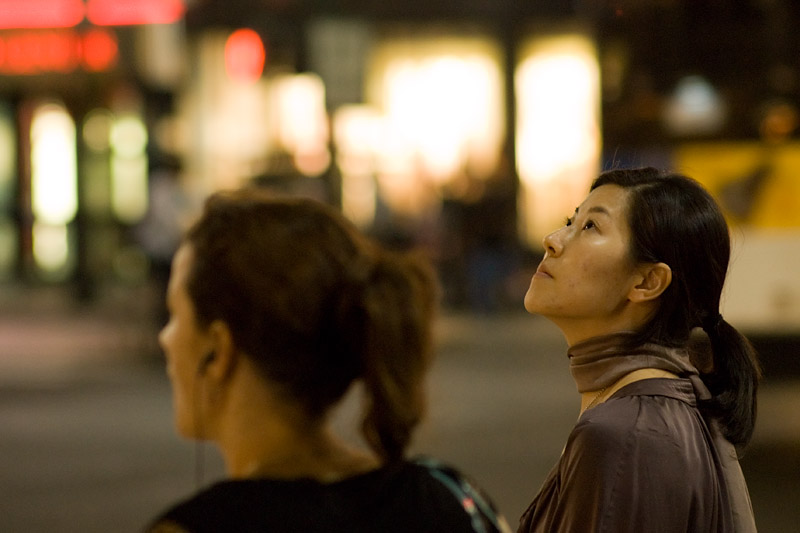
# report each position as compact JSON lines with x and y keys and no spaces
{"x":316,"y":305}
{"x":674,"y":220}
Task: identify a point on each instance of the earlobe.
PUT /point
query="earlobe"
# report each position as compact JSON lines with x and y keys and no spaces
{"x":655,"y":278}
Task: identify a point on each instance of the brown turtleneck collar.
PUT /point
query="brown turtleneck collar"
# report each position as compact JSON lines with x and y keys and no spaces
{"x":601,"y":361}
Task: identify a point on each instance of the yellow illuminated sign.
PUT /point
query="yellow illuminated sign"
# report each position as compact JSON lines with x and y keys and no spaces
{"x":757,"y":184}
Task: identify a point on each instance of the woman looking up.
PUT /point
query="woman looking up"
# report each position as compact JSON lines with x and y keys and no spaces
{"x":636,"y":269}
{"x":276,"y":308}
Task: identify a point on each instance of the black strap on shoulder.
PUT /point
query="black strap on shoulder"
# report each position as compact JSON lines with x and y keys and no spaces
{"x":485,"y":517}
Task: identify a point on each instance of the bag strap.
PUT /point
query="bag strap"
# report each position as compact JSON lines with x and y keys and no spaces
{"x":484,"y":515}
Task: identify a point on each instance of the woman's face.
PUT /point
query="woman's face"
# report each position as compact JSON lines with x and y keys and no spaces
{"x":587,"y":271}
{"x":184,"y":345}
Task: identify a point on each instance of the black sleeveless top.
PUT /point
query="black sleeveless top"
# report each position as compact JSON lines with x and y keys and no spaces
{"x":419,"y":496}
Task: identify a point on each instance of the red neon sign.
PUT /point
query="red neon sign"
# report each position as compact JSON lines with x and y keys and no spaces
{"x":40,"y":13}
{"x":28,"y":14}
{"x":134,"y":12}
{"x":39,"y":52}
{"x":100,"y":50}
{"x":244,"y":55}
{"x":29,"y":53}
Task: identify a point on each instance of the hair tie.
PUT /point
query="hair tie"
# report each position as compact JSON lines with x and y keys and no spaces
{"x":711,"y":322}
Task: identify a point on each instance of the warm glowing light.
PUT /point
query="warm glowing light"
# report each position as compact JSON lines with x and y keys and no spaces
{"x":128,"y":136}
{"x":53,"y":165}
{"x":131,"y":12}
{"x":25,"y":14}
{"x":36,"y":52}
{"x":244,"y":56}
{"x":231,"y":120}
{"x":445,"y":105}
{"x":129,"y":193}
{"x":50,"y":246}
{"x":100,"y":50}
{"x":244,"y":129}
{"x":357,"y":130}
{"x":53,"y":184}
{"x":433,"y":102}
{"x":237,"y":126}
{"x":40,"y":13}
{"x":129,"y":188}
{"x":558,"y":132}
{"x":557,"y":111}
{"x":302,"y":121}
{"x":442,"y":100}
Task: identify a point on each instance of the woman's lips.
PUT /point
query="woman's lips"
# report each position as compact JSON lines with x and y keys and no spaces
{"x":542,"y":272}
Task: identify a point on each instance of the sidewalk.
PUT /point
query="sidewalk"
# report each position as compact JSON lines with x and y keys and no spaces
{"x":48,"y":337}
{"x":46,"y":334}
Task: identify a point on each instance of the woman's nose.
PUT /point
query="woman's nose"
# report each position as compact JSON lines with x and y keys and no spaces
{"x":162,"y":336}
{"x":552,"y":243}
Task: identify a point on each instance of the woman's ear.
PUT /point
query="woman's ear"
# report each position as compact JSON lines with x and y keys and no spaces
{"x":224,"y":350}
{"x":654,"y":280}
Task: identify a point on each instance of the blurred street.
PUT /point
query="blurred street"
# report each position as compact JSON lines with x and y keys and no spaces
{"x":465,"y":129}
{"x":87,"y":442}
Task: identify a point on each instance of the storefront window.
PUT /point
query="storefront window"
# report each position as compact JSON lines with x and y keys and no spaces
{"x":440,"y":116}
{"x":54,"y":188}
{"x":558,"y":130}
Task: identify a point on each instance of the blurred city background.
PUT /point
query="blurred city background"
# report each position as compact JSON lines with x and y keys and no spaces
{"x":468,"y":128}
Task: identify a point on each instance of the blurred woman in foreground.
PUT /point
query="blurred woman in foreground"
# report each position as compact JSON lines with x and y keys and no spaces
{"x":276,"y":308}
{"x":637,"y":268}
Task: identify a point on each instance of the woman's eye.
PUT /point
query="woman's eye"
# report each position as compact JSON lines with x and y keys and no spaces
{"x":589,"y":224}
{"x":568,"y":221}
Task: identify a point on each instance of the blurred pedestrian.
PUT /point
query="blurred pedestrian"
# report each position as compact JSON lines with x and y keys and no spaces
{"x":159,"y":232}
{"x":277,"y":306}
{"x":637,"y":268}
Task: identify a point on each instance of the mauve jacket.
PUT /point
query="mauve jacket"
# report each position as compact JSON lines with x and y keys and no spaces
{"x":644,"y":461}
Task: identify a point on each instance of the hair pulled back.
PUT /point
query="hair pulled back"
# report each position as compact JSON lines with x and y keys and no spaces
{"x":674,"y":220}
{"x":316,"y":305}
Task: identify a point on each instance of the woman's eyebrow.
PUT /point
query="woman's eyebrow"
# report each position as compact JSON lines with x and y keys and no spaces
{"x":595,"y":209}
{"x":599,"y":209}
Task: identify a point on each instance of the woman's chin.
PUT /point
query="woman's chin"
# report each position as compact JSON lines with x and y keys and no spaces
{"x":531,"y":304}
{"x":528,"y":307}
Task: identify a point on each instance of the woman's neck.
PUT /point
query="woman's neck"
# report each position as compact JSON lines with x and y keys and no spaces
{"x":627,"y":318}
{"x":282,"y":455}
{"x":260,"y":435}
{"x":578,"y":333}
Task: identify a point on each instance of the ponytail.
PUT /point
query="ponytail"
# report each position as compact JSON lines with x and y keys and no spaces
{"x":733,"y":381}
{"x":674,"y":220}
{"x":316,"y":305}
{"x":399,"y":301}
